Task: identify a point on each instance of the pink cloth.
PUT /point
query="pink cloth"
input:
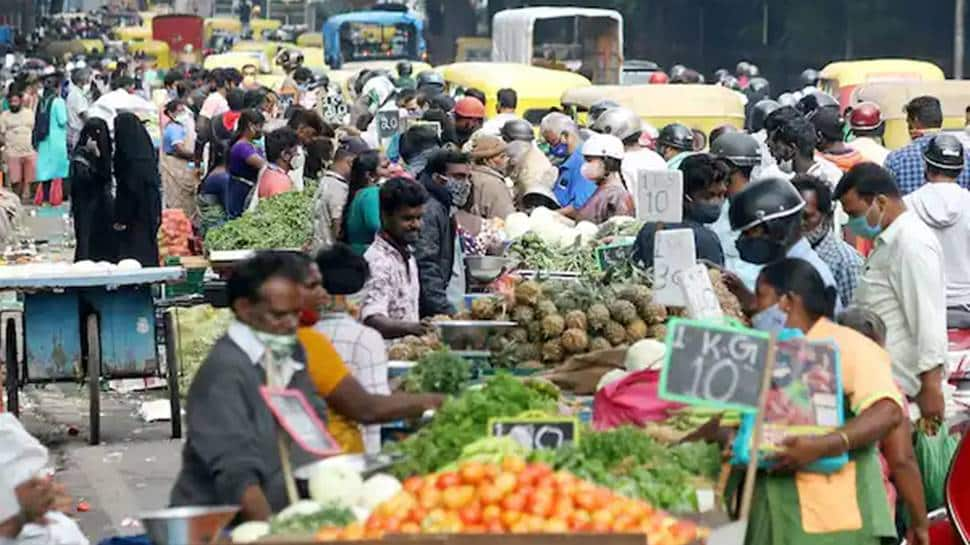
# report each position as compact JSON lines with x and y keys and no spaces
{"x":274,"y":181}
{"x":631,"y":400}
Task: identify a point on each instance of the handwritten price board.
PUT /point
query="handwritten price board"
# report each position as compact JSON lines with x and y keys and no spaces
{"x":702,"y":303}
{"x":659,"y":195}
{"x":714,"y":365}
{"x":612,"y":254}
{"x":388,"y":123}
{"x":536,"y":433}
{"x":673,"y":253}
{"x":297,"y":417}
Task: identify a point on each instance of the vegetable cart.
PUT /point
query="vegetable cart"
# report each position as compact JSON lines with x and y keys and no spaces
{"x":88,"y":324}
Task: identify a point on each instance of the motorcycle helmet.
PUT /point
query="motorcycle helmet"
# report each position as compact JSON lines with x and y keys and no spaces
{"x":619,"y":122}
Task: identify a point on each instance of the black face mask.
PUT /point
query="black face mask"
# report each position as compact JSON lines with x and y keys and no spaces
{"x":703,"y":212}
{"x":15,"y":109}
{"x":759,"y":250}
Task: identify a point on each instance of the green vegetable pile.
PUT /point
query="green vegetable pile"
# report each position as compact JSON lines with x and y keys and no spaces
{"x":441,"y":372}
{"x":635,"y":465}
{"x":199,"y":328}
{"x":535,"y":254}
{"x":464,"y":419}
{"x":284,"y":221}
{"x":328,"y":516}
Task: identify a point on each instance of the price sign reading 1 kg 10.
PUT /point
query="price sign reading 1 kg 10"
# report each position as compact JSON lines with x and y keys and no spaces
{"x":659,"y":195}
{"x":714,"y":365}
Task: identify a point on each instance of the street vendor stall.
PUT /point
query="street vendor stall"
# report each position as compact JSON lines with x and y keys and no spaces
{"x":93,"y":321}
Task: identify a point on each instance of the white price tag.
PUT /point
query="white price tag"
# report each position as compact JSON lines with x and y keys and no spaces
{"x":659,"y":195}
{"x":699,"y":293}
{"x":673,"y":253}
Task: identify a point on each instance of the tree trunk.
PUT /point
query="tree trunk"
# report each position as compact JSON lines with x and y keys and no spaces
{"x":958,"y":16}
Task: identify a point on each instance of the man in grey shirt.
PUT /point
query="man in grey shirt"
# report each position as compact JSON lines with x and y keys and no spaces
{"x":231,"y":455}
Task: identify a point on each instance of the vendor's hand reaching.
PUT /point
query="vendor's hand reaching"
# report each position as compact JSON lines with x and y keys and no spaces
{"x":36,"y":497}
{"x":799,"y":451}
{"x":735,"y":285}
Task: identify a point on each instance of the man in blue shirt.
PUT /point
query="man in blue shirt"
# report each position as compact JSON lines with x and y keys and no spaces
{"x":924,"y":118}
{"x":572,"y":189}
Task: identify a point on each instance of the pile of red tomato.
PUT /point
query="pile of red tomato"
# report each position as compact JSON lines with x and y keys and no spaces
{"x":513,"y":497}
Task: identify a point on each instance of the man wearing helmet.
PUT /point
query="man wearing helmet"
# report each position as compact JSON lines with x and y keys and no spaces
{"x":868,"y":127}
{"x":603,"y":155}
{"x":945,"y":207}
{"x":768,"y":214}
{"x":628,"y":127}
{"x":404,"y":79}
{"x":739,"y":154}
{"x":674,"y":144}
{"x":829,"y":127}
{"x":903,"y":282}
{"x":561,"y":133}
{"x":924,"y":118}
{"x":792,"y":145}
{"x":597,"y":109}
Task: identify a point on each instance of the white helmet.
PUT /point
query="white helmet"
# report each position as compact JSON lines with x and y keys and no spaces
{"x":603,"y":145}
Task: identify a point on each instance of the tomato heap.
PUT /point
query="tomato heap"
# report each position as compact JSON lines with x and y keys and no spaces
{"x":513,"y":497}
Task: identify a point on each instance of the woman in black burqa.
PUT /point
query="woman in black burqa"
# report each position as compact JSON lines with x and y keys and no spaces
{"x":91,"y":202}
{"x":138,"y":199}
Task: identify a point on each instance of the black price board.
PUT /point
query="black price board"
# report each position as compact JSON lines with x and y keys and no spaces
{"x":715,"y":365}
{"x":536,"y":432}
{"x":388,"y":123}
{"x":297,"y":417}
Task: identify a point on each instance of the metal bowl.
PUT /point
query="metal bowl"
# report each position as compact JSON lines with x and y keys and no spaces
{"x":187,"y":525}
{"x":485,"y":268}
{"x":471,"y":334}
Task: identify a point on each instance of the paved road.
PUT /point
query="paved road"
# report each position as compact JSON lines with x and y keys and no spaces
{"x":133,"y":468}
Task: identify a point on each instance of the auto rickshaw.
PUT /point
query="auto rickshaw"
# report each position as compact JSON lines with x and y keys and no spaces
{"x":179,"y":31}
{"x":539,"y":89}
{"x":225,"y":24}
{"x":265,"y":47}
{"x":92,"y":46}
{"x":310,"y":39}
{"x":237,"y":60}
{"x":373,"y":35}
{"x":313,"y":58}
{"x":259,"y":26}
{"x":840,"y":78}
{"x":391,"y":66}
{"x":473,"y":49}
{"x":154,"y":49}
{"x":954,"y":97}
{"x":133,"y":33}
{"x":58,"y":49}
{"x":701,"y":107}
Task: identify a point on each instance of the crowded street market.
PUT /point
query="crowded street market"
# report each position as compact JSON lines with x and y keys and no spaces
{"x":536,"y":292}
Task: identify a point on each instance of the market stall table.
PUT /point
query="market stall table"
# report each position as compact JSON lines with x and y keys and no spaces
{"x":98,"y":322}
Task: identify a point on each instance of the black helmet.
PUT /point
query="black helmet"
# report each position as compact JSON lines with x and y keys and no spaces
{"x":730,"y":82}
{"x":676,"y":136}
{"x":404,"y":69}
{"x":944,"y":152}
{"x":720,"y":74}
{"x":771,"y":201}
{"x":760,"y":112}
{"x":815,"y":100}
{"x":597,"y":108}
{"x":759,"y":87}
{"x":517,"y":129}
{"x":810,"y":76}
{"x":430,"y":78}
{"x":739,"y":148}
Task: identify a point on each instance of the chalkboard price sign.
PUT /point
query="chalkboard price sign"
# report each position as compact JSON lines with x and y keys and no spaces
{"x":611,"y":254}
{"x":297,"y":417}
{"x":714,"y":365}
{"x":536,"y":433}
{"x":388,"y":123}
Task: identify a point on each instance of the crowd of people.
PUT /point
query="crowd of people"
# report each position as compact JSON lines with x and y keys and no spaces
{"x":815,"y":225}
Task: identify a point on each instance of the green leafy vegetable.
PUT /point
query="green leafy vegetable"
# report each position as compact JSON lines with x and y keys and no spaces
{"x":284,"y":221}
{"x":329,"y":515}
{"x":441,"y":371}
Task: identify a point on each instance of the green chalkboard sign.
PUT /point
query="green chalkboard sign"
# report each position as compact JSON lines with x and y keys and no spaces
{"x":612,"y":254}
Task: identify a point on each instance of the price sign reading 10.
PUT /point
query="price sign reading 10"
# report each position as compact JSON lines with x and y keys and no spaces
{"x":659,"y":195}
{"x":714,"y":365}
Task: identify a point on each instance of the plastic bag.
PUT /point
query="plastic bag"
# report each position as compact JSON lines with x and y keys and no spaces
{"x":933,"y":454}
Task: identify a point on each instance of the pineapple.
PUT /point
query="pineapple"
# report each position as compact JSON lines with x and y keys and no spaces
{"x":519,"y":335}
{"x":528,"y":292}
{"x":552,"y":351}
{"x":598,"y":316}
{"x":484,"y":308}
{"x":636,"y":330}
{"x":528,"y":351}
{"x":576,"y":319}
{"x":574,"y":340}
{"x":656,"y":314}
{"x":659,"y":332}
{"x":623,"y":311}
{"x":615,"y":333}
{"x":553,"y":326}
{"x":599,"y":343}
{"x":523,"y":314}
{"x":546,"y":308}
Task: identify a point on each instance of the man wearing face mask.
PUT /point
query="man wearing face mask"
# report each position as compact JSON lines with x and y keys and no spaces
{"x":447,"y":178}
{"x":793,"y":143}
{"x":491,"y":197}
{"x":705,"y":186}
{"x":817,"y":227}
{"x":903,"y":282}
{"x":565,"y":151}
{"x":231,"y":454}
{"x":768,"y":213}
{"x":739,"y":154}
{"x":469,"y":117}
{"x":674,"y":144}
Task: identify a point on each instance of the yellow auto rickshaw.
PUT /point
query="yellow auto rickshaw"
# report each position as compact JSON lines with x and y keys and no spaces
{"x":237,"y":60}
{"x":840,"y":78}
{"x":310,"y":39}
{"x":313,"y":57}
{"x":954,"y":97}
{"x":153,"y":49}
{"x":259,"y":26}
{"x":391,"y":66}
{"x":92,"y":46}
{"x":261,"y":46}
{"x":134,"y":33}
{"x":539,"y":89}
{"x":224,"y":24}
{"x":701,"y":107}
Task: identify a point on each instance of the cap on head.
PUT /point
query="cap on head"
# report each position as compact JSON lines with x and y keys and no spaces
{"x":470,"y":107}
{"x":603,"y":145}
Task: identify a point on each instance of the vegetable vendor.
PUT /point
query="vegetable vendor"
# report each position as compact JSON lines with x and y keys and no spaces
{"x":350,"y":402}
{"x":792,"y":506}
{"x":231,"y":454}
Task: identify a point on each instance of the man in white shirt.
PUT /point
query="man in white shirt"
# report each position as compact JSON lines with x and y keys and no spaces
{"x":903,"y":282}
{"x":77,"y":105}
{"x":627,"y":126}
{"x":868,"y":127}
{"x":508,"y":101}
{"x":945,"y":206}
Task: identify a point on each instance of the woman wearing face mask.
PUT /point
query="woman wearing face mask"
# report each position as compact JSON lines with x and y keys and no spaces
{"x":603,"y":155}
{"x":793,"y":506}
{"x":178,"y":179}
{"x":705,"y":188}
{"x":358,"y":220}
{"x":50,"y":139}
{"x":244,"y":161}
{"x":281,"y":147}
{"x":92,"y":205}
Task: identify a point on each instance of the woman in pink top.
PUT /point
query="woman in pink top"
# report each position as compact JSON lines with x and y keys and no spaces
{"x":281,"y":147}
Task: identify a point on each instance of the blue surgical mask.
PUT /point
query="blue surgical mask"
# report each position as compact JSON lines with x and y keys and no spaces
{"x":860,"y":226}
{"x":771,"y":319}
{"x":560,"y":150}
{"x":260,"y":143}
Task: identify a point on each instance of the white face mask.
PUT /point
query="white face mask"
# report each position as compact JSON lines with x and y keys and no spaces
{"x":771,"y":319}
{"x":298,"y":160}
{"x":593,"y":170}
